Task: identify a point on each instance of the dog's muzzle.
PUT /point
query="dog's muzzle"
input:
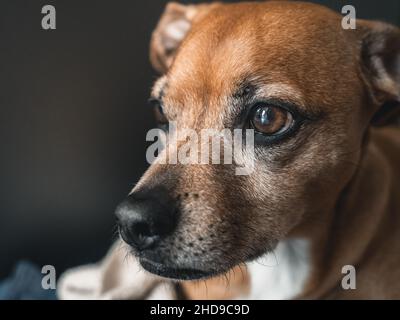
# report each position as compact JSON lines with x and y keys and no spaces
{"x":147,"y":220}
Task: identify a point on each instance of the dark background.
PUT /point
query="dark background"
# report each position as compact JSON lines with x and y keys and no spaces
{"x":73,"y":119}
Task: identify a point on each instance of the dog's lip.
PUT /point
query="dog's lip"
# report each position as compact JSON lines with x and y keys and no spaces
{"x":175,"y":273}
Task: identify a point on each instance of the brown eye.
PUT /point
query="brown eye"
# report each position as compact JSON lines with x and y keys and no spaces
{"x":271,"y":120}
{"x":159,"y":113}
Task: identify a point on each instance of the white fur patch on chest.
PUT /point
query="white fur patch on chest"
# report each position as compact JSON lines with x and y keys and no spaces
{"x":281,"y":274}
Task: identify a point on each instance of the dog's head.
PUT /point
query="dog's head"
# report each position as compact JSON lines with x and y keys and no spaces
{"x":307,"y":87}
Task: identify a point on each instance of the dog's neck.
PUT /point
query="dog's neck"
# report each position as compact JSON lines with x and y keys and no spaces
{"x":343,"y":234}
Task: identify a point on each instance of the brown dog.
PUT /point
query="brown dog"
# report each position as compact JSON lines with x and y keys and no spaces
{"x":325,"y":192}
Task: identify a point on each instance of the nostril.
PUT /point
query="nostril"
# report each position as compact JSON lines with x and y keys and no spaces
{"x":141,"y":236}
{"x":141,"y":229}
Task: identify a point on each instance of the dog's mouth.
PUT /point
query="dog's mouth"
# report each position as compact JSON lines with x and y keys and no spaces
{"x":175,"y":273}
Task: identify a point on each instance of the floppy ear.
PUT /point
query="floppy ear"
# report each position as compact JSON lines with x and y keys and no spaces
{"x":172,"y":28}
{"x":381,"y":67}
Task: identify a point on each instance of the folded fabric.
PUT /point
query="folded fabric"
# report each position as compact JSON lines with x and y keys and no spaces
{"x":25,"y":284}
{"x":117,"y":276}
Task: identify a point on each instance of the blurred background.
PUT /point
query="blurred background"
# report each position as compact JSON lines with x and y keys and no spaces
{"x":73,"y":120}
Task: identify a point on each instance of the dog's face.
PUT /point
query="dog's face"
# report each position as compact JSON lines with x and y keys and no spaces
{"x":290,"y":72}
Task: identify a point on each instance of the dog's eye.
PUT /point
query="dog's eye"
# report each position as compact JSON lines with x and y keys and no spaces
{"x":159,"y":113}
{"x":270,"y":120}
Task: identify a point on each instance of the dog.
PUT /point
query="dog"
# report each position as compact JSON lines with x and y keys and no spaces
{"x":325,"y":191}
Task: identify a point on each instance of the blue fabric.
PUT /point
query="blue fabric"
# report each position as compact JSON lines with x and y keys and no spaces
{"x":25,"y":284}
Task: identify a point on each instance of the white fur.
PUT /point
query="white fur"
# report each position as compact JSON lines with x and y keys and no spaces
{"x":282,"y":274}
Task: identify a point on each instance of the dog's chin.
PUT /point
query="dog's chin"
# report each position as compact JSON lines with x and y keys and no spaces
{"x":175,"y":272}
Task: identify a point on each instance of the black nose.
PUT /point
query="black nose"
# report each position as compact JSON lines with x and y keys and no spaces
{"x":146,"y":217}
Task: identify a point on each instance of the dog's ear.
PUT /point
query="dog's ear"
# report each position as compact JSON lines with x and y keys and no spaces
{"x":172,"y":28}
{"x":381,"y":67}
